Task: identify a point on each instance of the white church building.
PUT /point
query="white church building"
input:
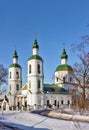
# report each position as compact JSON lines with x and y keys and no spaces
{"x":35,"y":93}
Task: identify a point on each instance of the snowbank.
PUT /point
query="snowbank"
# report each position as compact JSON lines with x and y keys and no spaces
{"x":55,"y":114}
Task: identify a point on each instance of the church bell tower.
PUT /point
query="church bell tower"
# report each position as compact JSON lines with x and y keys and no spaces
{"x":14,"y":79}
{"x":35,"y":76}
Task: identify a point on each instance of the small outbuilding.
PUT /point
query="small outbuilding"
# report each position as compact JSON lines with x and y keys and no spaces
{"x":4,"y":106}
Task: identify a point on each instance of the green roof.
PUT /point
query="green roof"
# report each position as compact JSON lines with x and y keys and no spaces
{"x":15,"y":65}
{"x":53,"y":88}
{"x":15,"y":54}
{"x":64,"y":55}
{"x":35,"y":57}
{"x":35,"y":45}
{"x":64,"y":67}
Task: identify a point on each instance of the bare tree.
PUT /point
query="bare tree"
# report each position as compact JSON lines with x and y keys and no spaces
{"x":3,"y":74}
{"x":81,"y":70}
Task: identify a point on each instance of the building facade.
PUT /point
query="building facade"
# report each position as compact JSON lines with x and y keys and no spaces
{"x":34,"y":93}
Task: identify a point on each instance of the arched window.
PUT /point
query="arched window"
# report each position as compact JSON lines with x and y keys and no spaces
{"x":17,"y":74}
{"x":38,"y":68}
{"x":17,"y":87}
{"x":29,"y":69}
{"x":10,"y":75}
{"x":38,"y":84}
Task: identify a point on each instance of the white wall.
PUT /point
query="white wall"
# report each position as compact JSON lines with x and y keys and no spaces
{"x":58,"y":97}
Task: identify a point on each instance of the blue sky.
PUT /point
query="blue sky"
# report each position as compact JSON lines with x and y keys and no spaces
{"x":55,"y":22}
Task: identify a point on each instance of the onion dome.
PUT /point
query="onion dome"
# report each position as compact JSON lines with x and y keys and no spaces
{"x":64,"y":67}
{"x":15,"y":61}
{"x":15,"y":65}
{"x":35,"y":52}
{"x":15,"y":54}
{"x":64,"y":55}
{"x":35,"y":45}
{"x":35,"y":57}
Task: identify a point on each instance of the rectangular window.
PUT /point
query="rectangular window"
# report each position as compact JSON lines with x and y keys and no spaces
{"x":47,"y":102}
{"x":38,"y":84}
{"x":68,"y":102}
{"x":18,"y":104}
{"x":57,"y":79}
{"x":17,"y":74}
{"x":17,"y":87}
{"x":62,"y":102}
{"x":55,"y":102}
{"x":38,"y":68}
{"x":10,"y":75}
{"x":25,"y":103}
{"x":29,"y":69}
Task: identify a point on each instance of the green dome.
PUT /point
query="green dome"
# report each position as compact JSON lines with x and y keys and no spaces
{"x":35,"y":45}
{"x":35,"y":57}
{"x":64,"y":68}
{"x":15,"y":54}
{"x":15,"y":65}
{"x":64,"y":55}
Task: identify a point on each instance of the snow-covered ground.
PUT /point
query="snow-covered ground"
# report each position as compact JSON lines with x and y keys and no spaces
{"x":31,"y":121}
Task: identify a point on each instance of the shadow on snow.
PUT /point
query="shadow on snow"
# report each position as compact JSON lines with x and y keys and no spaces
{"x":15,"y":126}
